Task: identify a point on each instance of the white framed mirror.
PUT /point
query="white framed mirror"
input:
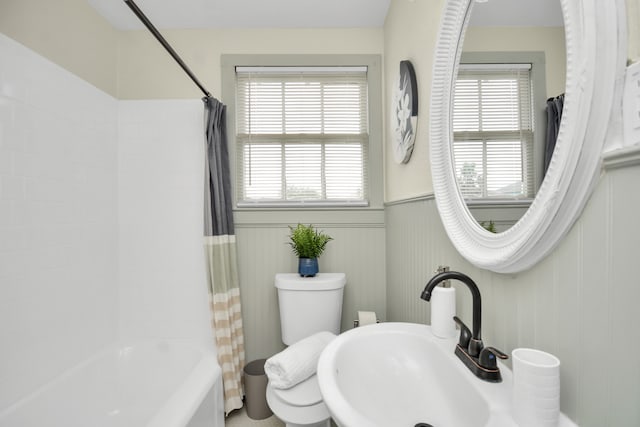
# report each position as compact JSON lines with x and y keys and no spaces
{"x":595,"y":36}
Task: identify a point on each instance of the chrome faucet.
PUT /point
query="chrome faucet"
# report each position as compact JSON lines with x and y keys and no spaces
{"x":479,"y":359}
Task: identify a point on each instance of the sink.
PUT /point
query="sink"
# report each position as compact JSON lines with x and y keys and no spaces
{"x":401,"y":375}
{"x":397,"y":374}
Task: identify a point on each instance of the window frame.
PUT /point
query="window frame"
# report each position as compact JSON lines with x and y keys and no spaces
{"x":539,"y":96}
{"x":467,"y":141}
{"x":374,"y":184}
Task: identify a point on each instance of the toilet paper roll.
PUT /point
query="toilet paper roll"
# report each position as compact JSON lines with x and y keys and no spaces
{"x":443,"y":308}
{"x":366,"y":318}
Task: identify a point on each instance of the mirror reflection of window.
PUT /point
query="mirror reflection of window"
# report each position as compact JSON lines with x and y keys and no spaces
{"x":493,"y":131}
{"x":503,"y":178}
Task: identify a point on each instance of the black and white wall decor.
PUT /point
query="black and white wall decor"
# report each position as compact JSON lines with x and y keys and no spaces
{"x":404,"y":113}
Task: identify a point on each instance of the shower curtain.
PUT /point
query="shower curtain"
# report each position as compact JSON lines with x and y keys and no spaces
{"x":554,"y":116}
{"x":220,"y":246}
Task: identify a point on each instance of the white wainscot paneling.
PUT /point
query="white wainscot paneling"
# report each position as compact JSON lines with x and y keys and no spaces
{"x":358,"y":249}
{"x":579,"y":303}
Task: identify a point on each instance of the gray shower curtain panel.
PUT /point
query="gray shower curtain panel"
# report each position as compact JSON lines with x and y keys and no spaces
{"x":554,"y":117}
{"x":222,"y":265}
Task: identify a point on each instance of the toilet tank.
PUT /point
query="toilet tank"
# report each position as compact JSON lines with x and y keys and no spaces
{"x":309,"y":304}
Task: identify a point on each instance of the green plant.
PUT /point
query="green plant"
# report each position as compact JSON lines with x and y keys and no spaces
{"x":307,"y":242}
{"x":491,"y":226}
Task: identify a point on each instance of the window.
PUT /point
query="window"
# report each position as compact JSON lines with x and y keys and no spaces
{"x":493,"y":131}
{"x":302,"y":135}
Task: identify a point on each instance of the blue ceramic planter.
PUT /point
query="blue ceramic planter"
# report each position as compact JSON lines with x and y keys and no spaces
{"x":307,"y":267}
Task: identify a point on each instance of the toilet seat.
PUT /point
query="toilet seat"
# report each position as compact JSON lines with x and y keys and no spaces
{"x":306,"y":393}
{"x":293,"y":405}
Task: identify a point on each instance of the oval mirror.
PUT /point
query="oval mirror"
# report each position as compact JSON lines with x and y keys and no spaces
{"x":595,"y":63}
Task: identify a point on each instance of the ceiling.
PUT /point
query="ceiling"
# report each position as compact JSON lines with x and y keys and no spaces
{"x":246,"y":13}
{"x":172,"y":14}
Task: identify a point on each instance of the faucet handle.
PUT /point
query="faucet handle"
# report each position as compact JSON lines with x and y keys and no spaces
{"x":465,"y":333}
{"x":488,"y":356}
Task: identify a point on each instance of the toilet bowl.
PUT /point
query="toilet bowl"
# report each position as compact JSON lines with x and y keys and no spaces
{"x":307,"y":306}
{"x":300,"y":405}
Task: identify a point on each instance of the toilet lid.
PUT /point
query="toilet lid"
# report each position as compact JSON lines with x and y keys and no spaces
{"x":306,"y":393}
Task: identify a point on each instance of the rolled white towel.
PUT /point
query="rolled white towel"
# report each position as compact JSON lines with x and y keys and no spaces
{"x":297,"y":362}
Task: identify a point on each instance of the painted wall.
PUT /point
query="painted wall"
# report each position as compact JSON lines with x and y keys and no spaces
{"x":410,"y":32}
{"x":58,"y":220}
{"x":549,"y":40}
{"x":146,"y":71}
{"x":68,"y":32}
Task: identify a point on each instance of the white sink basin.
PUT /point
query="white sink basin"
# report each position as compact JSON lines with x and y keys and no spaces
{"x":400,"y":375}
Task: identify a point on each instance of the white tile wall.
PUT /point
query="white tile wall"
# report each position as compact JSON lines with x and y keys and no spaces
{"x":163,"y":288}
{"x":57,"y":220}
{"x":100,"y":221}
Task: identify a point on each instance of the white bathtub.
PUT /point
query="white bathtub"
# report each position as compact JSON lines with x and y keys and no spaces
{"x":153,"y":384}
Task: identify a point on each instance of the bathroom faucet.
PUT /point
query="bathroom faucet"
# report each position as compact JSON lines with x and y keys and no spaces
{"x":479,"y":359}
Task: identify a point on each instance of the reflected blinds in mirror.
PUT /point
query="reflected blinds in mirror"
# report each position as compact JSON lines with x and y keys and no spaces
{"x":493,"y":131}
{"x":302,"y":134}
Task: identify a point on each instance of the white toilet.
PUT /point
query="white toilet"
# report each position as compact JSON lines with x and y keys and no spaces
{"x":307,"y":306}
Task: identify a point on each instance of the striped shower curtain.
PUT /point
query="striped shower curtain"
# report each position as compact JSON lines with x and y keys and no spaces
{"x":220,"y":246}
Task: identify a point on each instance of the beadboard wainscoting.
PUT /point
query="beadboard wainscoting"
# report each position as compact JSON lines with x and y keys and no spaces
{"x":358,"y":249}
{"x":580,"y":303}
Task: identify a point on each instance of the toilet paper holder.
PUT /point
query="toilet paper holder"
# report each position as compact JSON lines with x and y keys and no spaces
{"x":356,"y":322}
{"x":367,"y":317}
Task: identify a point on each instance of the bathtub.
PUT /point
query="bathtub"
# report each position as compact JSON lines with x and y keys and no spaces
{"x":154,"y":383}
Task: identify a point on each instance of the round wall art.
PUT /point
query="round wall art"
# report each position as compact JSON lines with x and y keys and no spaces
{"x":404,"y":113}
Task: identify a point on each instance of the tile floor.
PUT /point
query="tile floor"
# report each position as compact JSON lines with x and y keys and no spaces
{"x":240,"y":418}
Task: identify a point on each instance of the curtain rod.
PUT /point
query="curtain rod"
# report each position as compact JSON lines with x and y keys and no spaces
{"x":136,"y":10}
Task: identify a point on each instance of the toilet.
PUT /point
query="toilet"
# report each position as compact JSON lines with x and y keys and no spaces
{"x":307,"y":305}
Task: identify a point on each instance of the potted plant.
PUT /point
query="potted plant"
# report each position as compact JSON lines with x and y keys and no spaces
{"x":490,"y":226}
{"x":308,"y":244}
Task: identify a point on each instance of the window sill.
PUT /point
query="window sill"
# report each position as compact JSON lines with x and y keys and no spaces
{"x":503,"y":203}
{"x":303,"y":204}
{"x":343,"y":215}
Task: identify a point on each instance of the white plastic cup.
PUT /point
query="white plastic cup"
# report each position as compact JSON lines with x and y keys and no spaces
{"x":536,"y":388}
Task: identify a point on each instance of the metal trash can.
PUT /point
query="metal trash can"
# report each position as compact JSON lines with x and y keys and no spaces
{"x":255,"y":388}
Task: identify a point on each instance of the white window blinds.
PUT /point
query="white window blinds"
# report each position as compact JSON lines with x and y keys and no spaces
{"x":302,"y":135}
{"x":493,"y":131}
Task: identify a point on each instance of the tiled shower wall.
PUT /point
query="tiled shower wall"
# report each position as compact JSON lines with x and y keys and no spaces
{"x":161,"y":277}
{"x":100,"y":221}
{"x":58,"y":212}
{"x":580,"y":303}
